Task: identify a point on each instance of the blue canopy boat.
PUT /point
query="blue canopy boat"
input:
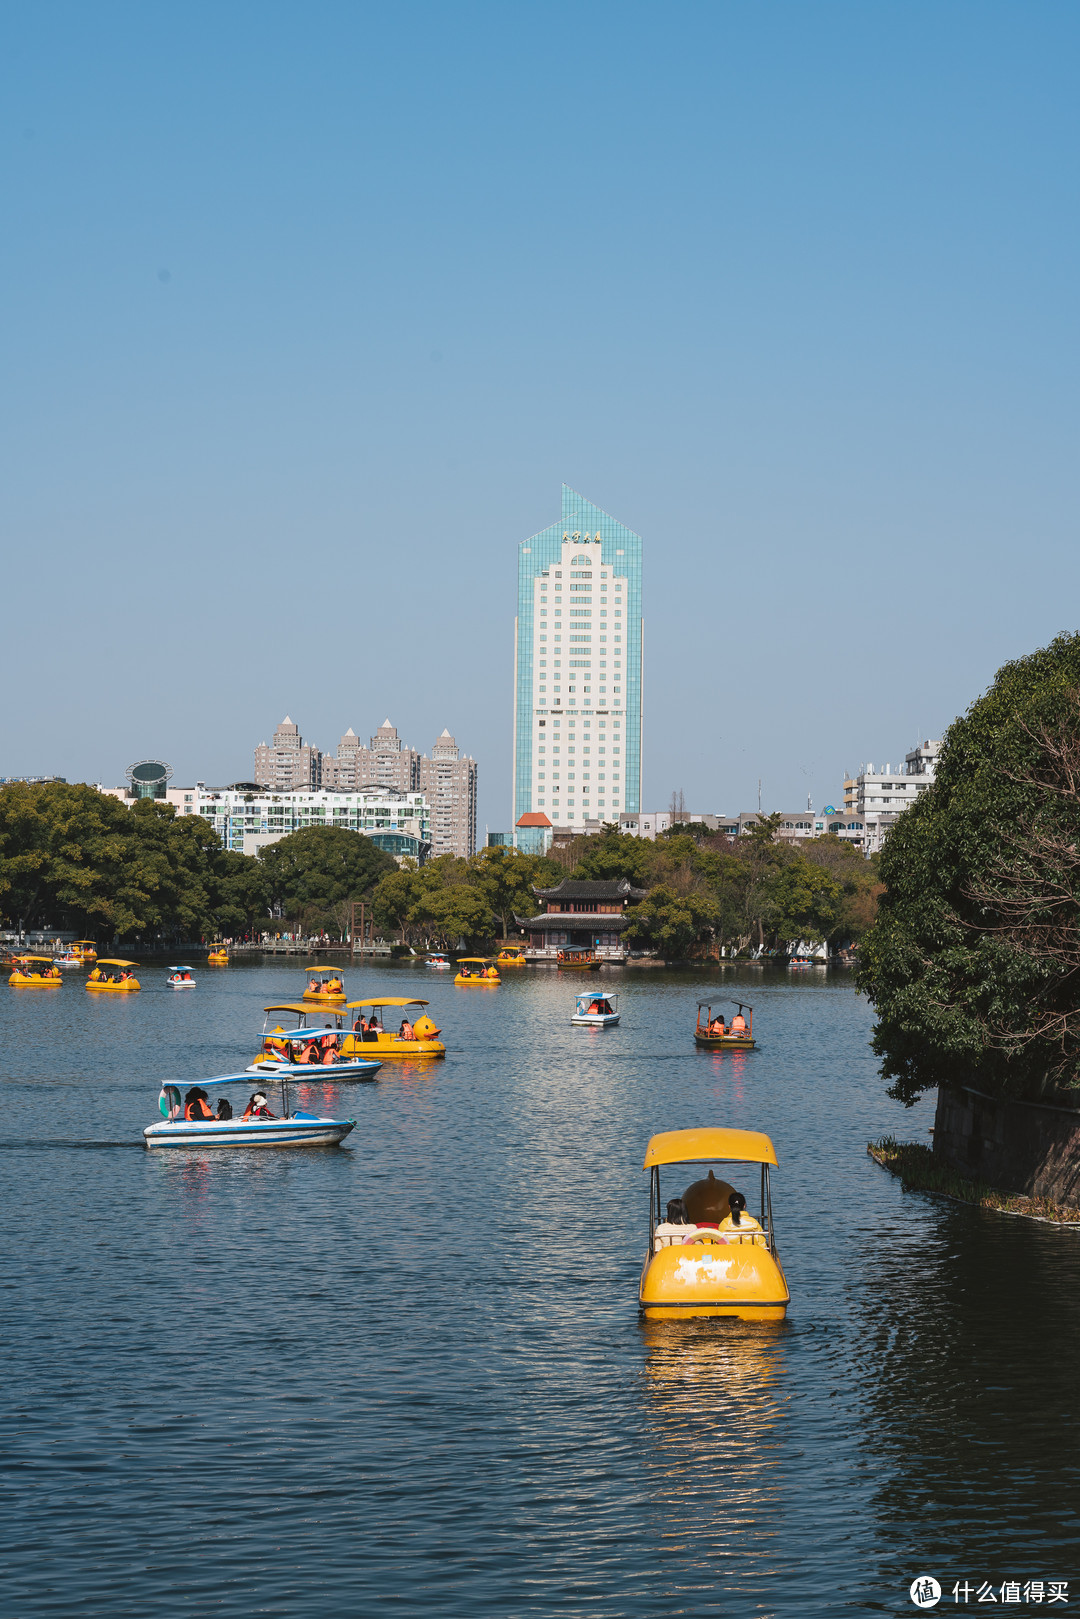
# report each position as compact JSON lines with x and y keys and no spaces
{"x":282,"y":1048}
{"x":291,"y":1130}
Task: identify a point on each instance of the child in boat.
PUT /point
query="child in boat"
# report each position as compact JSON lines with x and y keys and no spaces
{"x":257,"y":1108}
{"x":406,"y":1032}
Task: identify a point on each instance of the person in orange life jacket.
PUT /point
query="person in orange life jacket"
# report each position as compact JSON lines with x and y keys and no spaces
{"x":738,"y":1024}
{"x":257,"y":1108}
{"x":196,"y":1104}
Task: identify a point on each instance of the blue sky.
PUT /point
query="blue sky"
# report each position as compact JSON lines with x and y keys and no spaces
{"x":310,"y":310}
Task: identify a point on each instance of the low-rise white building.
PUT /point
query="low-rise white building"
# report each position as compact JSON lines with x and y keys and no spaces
{"x":877,"y":797}
{"x":247,"y":817}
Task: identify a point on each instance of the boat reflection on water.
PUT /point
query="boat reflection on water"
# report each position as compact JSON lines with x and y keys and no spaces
{"x":715,"y":1404}
{"x":729,"y":1066}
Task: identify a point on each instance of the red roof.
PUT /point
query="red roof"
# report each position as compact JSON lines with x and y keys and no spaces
{"x":534,"y":818}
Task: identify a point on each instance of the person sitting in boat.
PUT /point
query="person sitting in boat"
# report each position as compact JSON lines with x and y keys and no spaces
{"x":314,"y":987}
{"x":738,"y":1219}
{"x":197,"y":1104}
{"x":329,"y":1051}
{"x":594,"y":1006}
{"x":406,"y":1032}
{"x":360,"y":1026}
{"x":375,"y":1027}
{"x":309,"y":1053}
{"x":716,"y":1027}
{"x":224,"y":1108}
{"x":257,"y":1108}
{"x":738,"y":1024}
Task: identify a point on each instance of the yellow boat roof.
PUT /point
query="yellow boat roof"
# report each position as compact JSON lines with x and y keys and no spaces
{"x":85,"y":941}
{"x":111,"y":961}
{"x":34,"y":958}
{"x":385,"y":1000}
{"x":484,"y":959}
{"x":335,"y":970}
{"x":294,"y":1006}
{"x":690,"y":1146}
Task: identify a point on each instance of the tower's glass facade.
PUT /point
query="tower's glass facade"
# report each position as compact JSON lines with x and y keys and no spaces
{"x":577,"y":668}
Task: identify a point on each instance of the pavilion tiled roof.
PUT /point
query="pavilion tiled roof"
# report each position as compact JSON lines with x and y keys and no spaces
{"x":570,"y":890}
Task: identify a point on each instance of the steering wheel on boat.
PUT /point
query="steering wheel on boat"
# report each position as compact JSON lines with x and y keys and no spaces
{"x":706,"y":1236}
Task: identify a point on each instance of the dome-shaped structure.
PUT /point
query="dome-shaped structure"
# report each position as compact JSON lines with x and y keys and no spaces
{"x":148,"y":778}
{"x":706,"y":1201}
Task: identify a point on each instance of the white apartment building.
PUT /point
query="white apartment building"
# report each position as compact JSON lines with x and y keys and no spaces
{"x":577,"y":669}
{"x":877,"y":797}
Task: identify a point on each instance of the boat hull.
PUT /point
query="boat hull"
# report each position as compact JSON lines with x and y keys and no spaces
{"x":315,"y":1070}
{"x":738,"y":1277}
{"x":294,"y":1132}
{"x":725,"y":1042}
{"x":324,"y":1000}
{"x":389,"y":1045}
{"x":27,"y":981}
{"x":597,"y":1020}
{"x":128,"y":988}
{"x":486,"y":983}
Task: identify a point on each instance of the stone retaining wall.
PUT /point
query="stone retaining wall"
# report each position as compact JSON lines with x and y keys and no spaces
{"x":1028,"y":1147}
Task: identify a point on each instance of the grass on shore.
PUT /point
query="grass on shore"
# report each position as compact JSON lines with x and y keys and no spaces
{"x":918,"y":1171}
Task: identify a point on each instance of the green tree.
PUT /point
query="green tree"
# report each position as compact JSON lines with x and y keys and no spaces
{"x":436,"y":906}
{"x":506,"y":878}
{"x":973,"y":964}
{"x":802,"y":901}
{"x":672,"y":922}
{"x":612,"y":855}
{"x":311,"y":872}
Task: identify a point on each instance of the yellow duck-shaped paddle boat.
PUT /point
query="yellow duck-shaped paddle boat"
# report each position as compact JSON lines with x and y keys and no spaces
{"x":35,"y":972}
{"x":476,"y":970}
{"x":85,"y":949}
{"x":219,"y":956}
{"x":325,"y":986}
{"x":709,"y":1256}
{"x":511,"y":956}
{"x":116,"y":977}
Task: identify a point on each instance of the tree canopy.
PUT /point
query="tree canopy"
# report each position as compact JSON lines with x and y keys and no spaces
{"x":973,"y":963}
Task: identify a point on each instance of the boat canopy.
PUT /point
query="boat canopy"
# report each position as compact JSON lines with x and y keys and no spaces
{"x":591,"y":995}
{"x":300,"y":1036}
{"x":291,"y":1006}
{"x":85,"y":941}
{"x":181,"y":969}
{"x":693,"y":1146}
{"x":111,"y":961}
{"x":385,"y":1000}
{"x":34,"y":958}
{"x":708,"y":1005}
{"x":335,"y":970}
{"x":486,"y":961}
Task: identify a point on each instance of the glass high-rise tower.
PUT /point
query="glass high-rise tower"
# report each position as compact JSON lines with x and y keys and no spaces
{"x":577,"y":669}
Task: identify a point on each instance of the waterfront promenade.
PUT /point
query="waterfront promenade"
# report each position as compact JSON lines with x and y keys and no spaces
{"x":408,"y":1376}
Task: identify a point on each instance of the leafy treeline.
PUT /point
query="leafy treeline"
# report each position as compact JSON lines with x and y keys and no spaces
{"x":974,"y":962}
{"x":74,"y":858}
{"x":71,"y":857}
{"x":703,"y":891}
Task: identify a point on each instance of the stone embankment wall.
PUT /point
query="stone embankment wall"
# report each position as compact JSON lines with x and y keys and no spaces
{"x":1028,"y":1147}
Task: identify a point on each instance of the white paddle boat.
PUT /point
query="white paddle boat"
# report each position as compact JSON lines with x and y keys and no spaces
{"x":180,"y":978}
{"x":596,"y":1011}
{"x":260,"y":1130}
{"x":307,"y":1053}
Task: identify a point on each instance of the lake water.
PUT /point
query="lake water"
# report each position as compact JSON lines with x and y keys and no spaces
{"x":408,"y":1375}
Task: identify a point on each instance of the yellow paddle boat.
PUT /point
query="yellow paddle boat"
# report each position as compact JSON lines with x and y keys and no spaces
{"x":476,"y":970}
{"x":512,"y":956}
{"x":586,"y":961}
{"x":219,"y":956}
{"x":325,"y":985}
{"x":115,"y":976}
{"x":35,"y":972}
{"x":715,"y":1035}
{"x":708,"y":1256}
{"x":379,"y":1042}
{"x":384,"y":1040}
{"x":85,"y":949}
